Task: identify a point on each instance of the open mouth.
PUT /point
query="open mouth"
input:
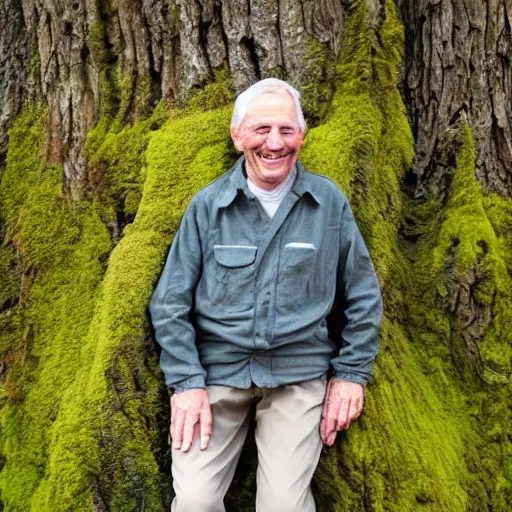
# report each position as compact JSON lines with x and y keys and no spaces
{"x":271,"y":157}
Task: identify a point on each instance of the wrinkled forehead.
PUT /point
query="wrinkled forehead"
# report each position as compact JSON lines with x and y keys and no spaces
{"x":272,"y":105}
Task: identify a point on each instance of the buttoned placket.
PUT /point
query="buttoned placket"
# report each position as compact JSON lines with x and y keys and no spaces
{"x":264,"y":314}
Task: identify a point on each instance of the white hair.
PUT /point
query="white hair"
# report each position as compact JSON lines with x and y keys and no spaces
{"x":267,"y":85}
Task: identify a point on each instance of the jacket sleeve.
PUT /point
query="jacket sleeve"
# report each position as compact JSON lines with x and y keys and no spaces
{"x":361,"y":305}
{"x":172,"y":308}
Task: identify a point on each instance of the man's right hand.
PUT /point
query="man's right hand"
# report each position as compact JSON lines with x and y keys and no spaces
{"x":188,"y":409}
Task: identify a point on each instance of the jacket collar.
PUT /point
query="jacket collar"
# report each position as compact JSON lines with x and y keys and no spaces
{"x":237,"y":183}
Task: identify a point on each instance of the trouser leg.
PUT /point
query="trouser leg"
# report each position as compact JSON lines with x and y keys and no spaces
{"x":202,"y":477}
{"x":289,"y":446}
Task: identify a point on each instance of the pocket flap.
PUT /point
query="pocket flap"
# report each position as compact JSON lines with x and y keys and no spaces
{"x":235,"y":255}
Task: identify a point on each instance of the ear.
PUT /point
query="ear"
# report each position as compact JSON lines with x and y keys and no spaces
{"x":236,"y":137}
{"x":303,"y":137}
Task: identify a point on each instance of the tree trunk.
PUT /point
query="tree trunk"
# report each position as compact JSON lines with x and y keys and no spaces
{"x":118,"y":111}
{"x":123,"y":57}
{"x":458,"y":70}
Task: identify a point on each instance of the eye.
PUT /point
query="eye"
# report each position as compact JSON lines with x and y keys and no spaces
{"x":287,"y":131}
{"x":262,"y":130}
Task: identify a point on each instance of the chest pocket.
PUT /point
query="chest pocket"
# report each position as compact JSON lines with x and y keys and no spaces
{"x":235,"y":256}
{"x":234,"y":274}
{"x":297,"y":273}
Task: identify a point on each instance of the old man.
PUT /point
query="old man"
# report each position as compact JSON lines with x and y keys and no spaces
{"x":264,"y":257}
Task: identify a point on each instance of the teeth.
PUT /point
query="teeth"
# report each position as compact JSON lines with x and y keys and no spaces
{"x":269,"y":157}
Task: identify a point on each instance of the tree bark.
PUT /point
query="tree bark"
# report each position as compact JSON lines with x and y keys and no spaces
{"x":157,"y":49}
{"x":457,"y":69}
{"x":14,"y":66}
{"x":134,"y":117}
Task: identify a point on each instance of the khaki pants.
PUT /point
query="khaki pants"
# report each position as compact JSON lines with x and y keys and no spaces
{"x":288,"y":442}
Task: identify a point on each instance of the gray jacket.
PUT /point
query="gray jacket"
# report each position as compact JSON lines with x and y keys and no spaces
{"x":245,"y":299}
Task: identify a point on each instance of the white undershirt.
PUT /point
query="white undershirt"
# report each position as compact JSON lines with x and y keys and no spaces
{"x":271,"y":199}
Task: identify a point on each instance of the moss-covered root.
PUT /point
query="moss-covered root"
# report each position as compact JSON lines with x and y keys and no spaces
{"x":460,"y":305}
{"x":408,"y":451}
{"x":60,"y":254}
{"x":366,"y":144}
{"x":106,"y":435}
{"x":83,"y":411}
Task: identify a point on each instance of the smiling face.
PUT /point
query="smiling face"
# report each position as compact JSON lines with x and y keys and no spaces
{"x":270,"y":138}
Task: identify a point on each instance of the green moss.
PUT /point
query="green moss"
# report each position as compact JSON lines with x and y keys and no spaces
{"x":409,"y":451}
{"x":461,"y":241}
{"x":61,"y":250}
{"x":123,"y":85}
{"x":216,"y":94}
{"x":116,"y":165}
{"x":83,"y":409}
{"x":317,"y":93}
{"x":88,"y":431}
{"x":34,"y":67}
{"x":41,"y":237}
{"x":143,"y":97}
{"x":133,"y":267}
{"x":97,"y":43}
{"x":123,"y":95}
{"x":462,"y":255}
{"x":365,"y":145}
{"x":23,"y":168}
{"x":109,"y":91}
{"x":10,"y":276}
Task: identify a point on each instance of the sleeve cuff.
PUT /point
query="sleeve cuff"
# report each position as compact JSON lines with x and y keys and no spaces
{"x":352,"y":377}
{"x":179,"y":389}
{"x":195,"y":382}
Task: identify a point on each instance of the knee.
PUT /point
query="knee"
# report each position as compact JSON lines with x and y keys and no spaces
{"x":283,"y":502}
{"x":198,"y":502}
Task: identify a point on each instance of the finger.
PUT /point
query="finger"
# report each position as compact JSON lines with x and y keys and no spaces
{"x":360,"y":407}
{"x":331,"y":420}
{"x":353,"y":413}
{"x":172,"y":428}
{"x":206,"y":421}
{"x":188,"y":430}
{"x":177,"y":423}
{"x":325,"y":412}
{"x":331,"y":438}
{"x":174,"y":413}
{"x":343,"y":415}
{"x":323,"y":426}
{"x":323,"y":422}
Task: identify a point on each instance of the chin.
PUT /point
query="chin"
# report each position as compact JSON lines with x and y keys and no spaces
{"x":276,"y":177}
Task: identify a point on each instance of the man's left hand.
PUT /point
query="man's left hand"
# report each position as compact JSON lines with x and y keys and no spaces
{"x":343,"y":404}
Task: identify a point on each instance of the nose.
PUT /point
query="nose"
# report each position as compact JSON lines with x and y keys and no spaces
{"x":274,"y":140}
